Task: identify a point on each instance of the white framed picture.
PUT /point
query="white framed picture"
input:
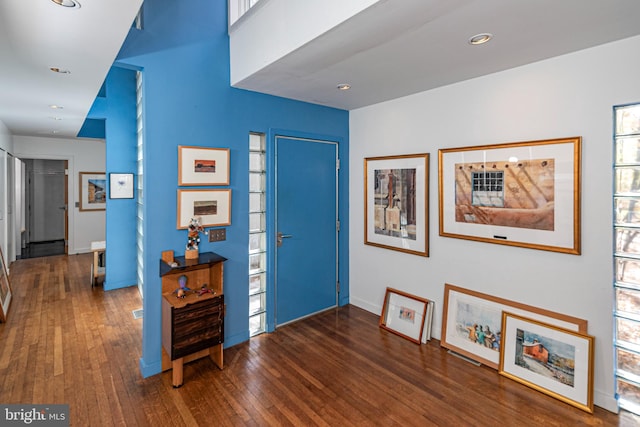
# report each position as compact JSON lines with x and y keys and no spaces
{"x":121,"y":186}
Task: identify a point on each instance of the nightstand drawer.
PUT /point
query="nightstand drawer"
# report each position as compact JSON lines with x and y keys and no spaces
{"x":194,"y":327}
{"x":199,"y":310}
{"x":195,"y":340}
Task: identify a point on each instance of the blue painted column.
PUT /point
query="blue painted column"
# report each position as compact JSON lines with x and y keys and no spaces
{"x":121,"y":150}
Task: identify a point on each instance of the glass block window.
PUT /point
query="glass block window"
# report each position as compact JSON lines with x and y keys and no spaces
{"x":140,"y":182}
{"x":626,"y":229}
{"x":257,"y":235}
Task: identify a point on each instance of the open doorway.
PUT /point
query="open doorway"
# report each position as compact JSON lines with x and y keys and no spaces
{"x":46,"y":208}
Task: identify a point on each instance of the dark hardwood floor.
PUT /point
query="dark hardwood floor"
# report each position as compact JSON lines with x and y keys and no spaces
{"x":65,"y":342}
{"x":40,"y":249}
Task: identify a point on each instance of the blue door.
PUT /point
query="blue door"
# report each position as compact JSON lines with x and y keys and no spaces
{"x":306,"y":223}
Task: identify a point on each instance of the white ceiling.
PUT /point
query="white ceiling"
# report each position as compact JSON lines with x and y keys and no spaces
{"x":400,"y":47}
{"x":38,"y":34}
{"x":392,"y":49}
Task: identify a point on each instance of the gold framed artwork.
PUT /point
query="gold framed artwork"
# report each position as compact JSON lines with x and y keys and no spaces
{"x":203,"y":166}
{"x":524,"y":194}
{"x":213,"y":207}
{"x":472,"y":322}
{"x":396,"y":203}
{"x":553,"y":360}
{"x":92,"y":191}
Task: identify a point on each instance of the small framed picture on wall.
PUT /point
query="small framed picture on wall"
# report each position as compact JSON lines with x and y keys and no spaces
{"x":203,"y":166}
{"x":213,"y":207}
{"x":121,"y":186}
{"x":93,"y":190}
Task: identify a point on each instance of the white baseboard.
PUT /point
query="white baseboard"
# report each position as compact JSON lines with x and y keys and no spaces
{"x":605,"y":401}
{"x":365,"y":305}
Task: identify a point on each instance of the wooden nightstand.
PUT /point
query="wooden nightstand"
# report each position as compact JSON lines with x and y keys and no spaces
{"x":193,"y":326}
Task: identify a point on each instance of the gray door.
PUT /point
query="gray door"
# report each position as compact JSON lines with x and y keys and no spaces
{"x":46,"y":202}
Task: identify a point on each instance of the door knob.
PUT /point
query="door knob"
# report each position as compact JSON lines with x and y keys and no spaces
{"x":281,"y":236}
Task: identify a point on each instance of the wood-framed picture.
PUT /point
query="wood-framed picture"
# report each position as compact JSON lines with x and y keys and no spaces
{"x":121,"y":186}
{"x":404,"y":314}
{"x":524,"y":194}
{"x":212,"y":206}
{"x":472,"y":322}
{"x":553,"y":360}
{"x":396,"y":203}
{"x":5,"y":289}
{"x":93,"y":191}
{"x":203,"y":166}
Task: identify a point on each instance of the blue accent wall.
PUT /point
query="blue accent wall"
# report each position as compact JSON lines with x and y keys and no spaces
{"x":113,"y":117}
{"x":121,"y":157}
{"x":92,"y":128}
{"x":183,"y":53}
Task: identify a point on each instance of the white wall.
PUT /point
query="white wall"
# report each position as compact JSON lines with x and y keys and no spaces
{"x":571,"y":95}
{"x":275,"y":28}
{"x":84,"y":155}
{"x":6,"y":145}
{"x":5,"y":138}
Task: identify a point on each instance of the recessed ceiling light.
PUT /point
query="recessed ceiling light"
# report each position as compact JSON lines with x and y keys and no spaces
{"x":344,"y":86}
{"x":55,"y":118}
{"x":481,"y":38}
{"x":67,"y":3}
{"x":56,"y":107}
{"x":59,"y":70}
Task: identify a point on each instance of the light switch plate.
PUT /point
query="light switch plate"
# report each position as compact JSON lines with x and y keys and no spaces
{"x":217,"y":234}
